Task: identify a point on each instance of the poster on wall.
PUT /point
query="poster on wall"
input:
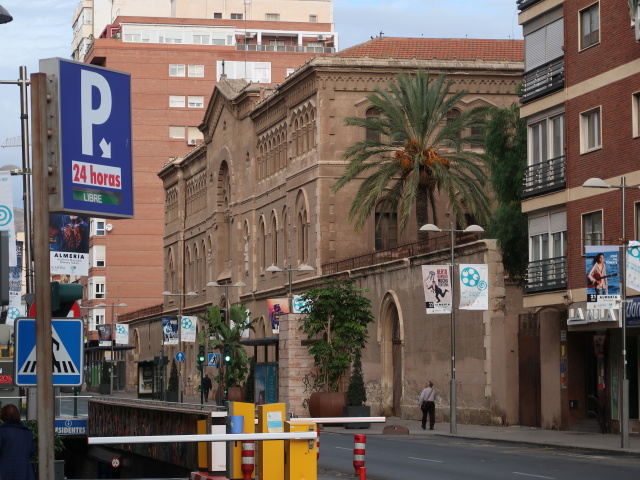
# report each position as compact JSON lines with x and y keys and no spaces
{"x":474,"y":287}
{"x":633,"y":265}
{"x":437,"y":288}
{"x":16,"y":309}
{"x":188,"y":327}
{"x":170,"y":330}
{"x":7,"y":223}
{"x":122,"y":334}
{"x":266,"y":383}
{"x":104,"y":334}
{"x":603,"y":283}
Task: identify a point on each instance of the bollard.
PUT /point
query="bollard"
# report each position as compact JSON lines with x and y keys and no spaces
{"x":359,"y":445}
{"x":318,"y":444}
{"x":247,"y":458}
{"x":363,"y":473}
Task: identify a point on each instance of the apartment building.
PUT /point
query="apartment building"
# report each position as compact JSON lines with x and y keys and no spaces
{"x":176,"y":51}
{"x":580,"y":101}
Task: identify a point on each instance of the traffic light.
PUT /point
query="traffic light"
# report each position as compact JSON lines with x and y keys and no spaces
{"x":63,"y":296}
{"x":201,"y":357}
{"x":227,"y":354}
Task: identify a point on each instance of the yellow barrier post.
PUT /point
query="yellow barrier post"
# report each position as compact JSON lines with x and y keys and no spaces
{"x":203,"y":460}
{"x":234,"y":449}
{"x":301,"y":455}
{"x":270,"y":455}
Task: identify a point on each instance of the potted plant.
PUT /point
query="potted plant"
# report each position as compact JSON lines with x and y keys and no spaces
{"x":357,"y":396}
{"x":105,"y":379}
{"x":58,"y":448}
{"x":216,"y":334}
{"x":336,"y":320}
{"x":173,"y":386}
{"x":250,"y":384}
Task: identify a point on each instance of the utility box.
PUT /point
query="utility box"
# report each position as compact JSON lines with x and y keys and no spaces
{"x":218,"y":450}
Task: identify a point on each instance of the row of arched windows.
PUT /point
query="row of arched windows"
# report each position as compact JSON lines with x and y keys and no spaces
{"x":272,"y":153}
{"x":303,"y":133}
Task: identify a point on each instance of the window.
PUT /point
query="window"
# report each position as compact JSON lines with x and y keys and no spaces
{"x":97,"y":255}
{"x":592,"y":228}
{"x":176,"y":70}
{"x":635,"y":109}
{"x":386,"y":229}
{"x":176,"y":101}
{"x":276,"y":43}
{"x":217,"y":15}
{"x":176,"y":132}
{"x":372,"y":135}
{"x":272,"y":17}
{"x":97,"y":226}
{"x":196,"y":101}
{"x":253,"y":71}
{"x":590,"y":130}
{"x":313,"y":18}
{"x":548,"y":236}
{"x":544,"y":44}
{"x":452,"y":116}
{"x":590,"y":26}
{"x":96,"y":287}
{"x":97,"y":318}
{"x":201,"y":37}
{"x":236,"y":16}
{"x":196,"y":71}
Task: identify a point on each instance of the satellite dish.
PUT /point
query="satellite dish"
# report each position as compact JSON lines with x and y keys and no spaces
{"x":108,"y":227}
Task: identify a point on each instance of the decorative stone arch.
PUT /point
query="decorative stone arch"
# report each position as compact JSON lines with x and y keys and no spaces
{"x":246,"y":247}
{"x":302,"y":226}
{"x":285,"y":235}
{"x":262,"y":243}
{"x":136,"y":342}
{"x":273,"y":232}
{"x":390,"y":336}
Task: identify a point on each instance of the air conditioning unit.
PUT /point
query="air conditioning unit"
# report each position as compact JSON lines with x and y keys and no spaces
{"x":322,"y":37}
{"x":638,"y":24}
{"x":250,"y":35}
{"x":192,"y":141}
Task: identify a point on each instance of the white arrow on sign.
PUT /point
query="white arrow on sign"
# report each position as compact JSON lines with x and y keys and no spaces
{"x":106,"y":149}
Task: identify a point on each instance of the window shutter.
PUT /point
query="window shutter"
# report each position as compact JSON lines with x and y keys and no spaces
{"x":555,"y":40}
{"x":534,"y":46}
{"x":558,"y":222}
{"x":538,"y":225}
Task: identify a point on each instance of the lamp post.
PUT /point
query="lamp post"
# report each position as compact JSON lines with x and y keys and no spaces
{"x":226,"y":290}
{"x":181,"y":377}
{"x":430,"y":227}
{"x":290,"y":270}
{"x":5,"y":17}
{"x":624,"y":385}
{"x":113,"y":307}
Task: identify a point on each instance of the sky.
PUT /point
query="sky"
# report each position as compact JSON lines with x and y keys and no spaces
{"x":42,"y":29}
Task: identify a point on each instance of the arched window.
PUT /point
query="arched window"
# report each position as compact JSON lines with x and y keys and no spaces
{"x":452,"y":115}
{"x":386,"y":228}
{"x":262,"y":247}
{"x":302,"y":228}
{"x":305,"y":130}
{"x":274,"y":240}
{"x":311,"y":132}
{"x":371,"y":134}
{"x":285,"y":236}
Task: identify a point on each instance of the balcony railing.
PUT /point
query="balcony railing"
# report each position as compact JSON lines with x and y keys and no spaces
{"x":543,"y":80}
{"x":544,"y":177}
{"x":283,"y":48}
{"x":524,"y":4}
{"x":546,"y":275}
{"x":435,"y":243}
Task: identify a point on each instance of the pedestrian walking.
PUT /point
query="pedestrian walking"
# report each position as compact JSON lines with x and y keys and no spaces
{"x":427,"y":402}
{"x":206,"y":386}
{"x":16,"y":446}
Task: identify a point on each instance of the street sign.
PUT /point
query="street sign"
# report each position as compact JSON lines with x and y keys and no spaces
{"x":180,"y":357}
{"x":92,"y":168}
{"x":213,"y":360}
{"x":68,"y":364}
{"x":74,"y":311}
{"x":71,"y":426}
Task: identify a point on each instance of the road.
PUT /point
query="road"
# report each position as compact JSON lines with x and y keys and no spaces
{"x":419,"y":458}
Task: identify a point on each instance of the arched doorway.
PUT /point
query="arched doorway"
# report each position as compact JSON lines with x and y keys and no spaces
{"x":391,"y":339}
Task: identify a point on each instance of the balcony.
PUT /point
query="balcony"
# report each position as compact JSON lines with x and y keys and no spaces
{"x":544,"y":80}
{"x":544,"y":177}
{"x":283,"y":48}
{"x":546,"y":275}
{"x":524,"y":4}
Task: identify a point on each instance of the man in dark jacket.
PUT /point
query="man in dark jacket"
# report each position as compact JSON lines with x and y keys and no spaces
{"x":16,"y":446}
{"x":206,"y":386}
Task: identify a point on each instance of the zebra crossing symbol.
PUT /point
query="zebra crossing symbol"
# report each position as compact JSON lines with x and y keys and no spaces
{"x":67,"y":339}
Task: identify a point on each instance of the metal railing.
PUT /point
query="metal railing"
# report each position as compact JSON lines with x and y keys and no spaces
{"x":524,"y":4}
{"x":545,"y":177}
{"x":546,"y":275}
{"x":283,"y":48}
{"x":543,"y":80}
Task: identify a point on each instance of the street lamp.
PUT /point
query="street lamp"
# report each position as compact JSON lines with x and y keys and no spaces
{"x":624,"y":385}
{"x":181,"y":378}
{"x":226,"y":290}
{"x":430,"y":227}
{"x":5,"y":17}
{"x":301,"y":268}
{"x":113,"y":307}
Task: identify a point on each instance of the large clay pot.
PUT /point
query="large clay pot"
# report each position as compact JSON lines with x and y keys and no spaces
{"x":327,"y":404}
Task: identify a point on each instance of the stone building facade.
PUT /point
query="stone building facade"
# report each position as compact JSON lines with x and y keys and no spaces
{"x":257,"y":193}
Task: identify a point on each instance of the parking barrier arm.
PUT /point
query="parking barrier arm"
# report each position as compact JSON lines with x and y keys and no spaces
{"x":219,"y":437}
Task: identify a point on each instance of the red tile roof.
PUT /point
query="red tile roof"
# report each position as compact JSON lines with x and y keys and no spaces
{"x":437,"y":49}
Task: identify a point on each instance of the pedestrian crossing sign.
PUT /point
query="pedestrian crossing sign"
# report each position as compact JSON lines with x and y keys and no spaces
{"x":213,"y":360}
{"x":67,"y":338}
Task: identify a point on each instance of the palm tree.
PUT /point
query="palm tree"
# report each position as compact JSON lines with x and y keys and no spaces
{"x":415,"y":153}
